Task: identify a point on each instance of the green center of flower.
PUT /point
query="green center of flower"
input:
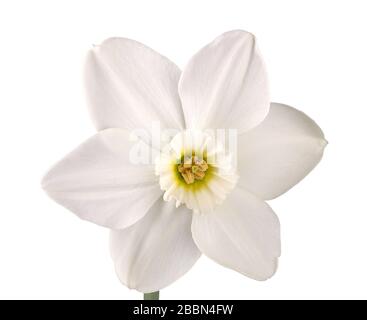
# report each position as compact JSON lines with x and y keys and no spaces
{"x":192,"y":169}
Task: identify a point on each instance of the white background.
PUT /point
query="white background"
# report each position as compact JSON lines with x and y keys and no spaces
{"x":316,"y":54}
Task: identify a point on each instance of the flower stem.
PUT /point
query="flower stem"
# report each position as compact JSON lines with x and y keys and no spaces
{"x":151,"y":296}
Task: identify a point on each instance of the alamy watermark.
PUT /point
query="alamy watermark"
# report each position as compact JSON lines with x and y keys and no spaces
{"x":147,"y":144}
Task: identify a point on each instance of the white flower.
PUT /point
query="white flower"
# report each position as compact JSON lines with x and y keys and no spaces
{"x":155,"y":239}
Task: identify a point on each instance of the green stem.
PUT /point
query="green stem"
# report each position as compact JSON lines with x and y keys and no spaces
{"x":151,"y":296}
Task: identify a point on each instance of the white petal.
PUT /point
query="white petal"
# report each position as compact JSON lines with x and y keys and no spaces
{"x":280,"y":152}
{"x":157,"y":250}
{"x":98,"y":182}
{"x":225,"y":84}
{"x":242,"y":234}
{"x":129,"y":86}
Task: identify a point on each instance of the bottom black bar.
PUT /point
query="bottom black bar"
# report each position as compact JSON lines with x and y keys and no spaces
{"x":169,"y":309}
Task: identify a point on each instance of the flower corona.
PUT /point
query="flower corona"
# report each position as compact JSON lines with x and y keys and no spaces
{"x":194,"y":169}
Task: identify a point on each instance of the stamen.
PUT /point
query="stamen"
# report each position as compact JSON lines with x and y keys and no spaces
{"x":199,"y":175}
{"x":193,"y":169}
{"x":203,"y":166}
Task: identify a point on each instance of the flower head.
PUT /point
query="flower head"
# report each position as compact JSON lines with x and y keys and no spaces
{"x":191,"y":194}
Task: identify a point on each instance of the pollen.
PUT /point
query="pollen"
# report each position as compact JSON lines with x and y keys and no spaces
{"x":193,"y":169}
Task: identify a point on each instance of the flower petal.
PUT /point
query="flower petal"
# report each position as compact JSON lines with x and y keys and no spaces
{"x":98,"y":182}
{"x":280,"y":152}
{"x":130,"y":86}
{"x":242,"y":234}
{"x":155,"y":251}
{"x":225,"y":84}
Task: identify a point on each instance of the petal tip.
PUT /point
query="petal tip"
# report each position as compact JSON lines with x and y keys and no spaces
{"x":239,"y":32}
{"x":267,"y":275}
{"x":44,"y":183}
{"x":324,"y":143}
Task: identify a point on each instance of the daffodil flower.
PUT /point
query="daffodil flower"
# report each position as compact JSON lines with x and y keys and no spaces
{"x":194,"y":197}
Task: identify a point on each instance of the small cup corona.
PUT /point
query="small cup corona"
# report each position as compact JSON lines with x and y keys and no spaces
{"x":195,"y":170}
